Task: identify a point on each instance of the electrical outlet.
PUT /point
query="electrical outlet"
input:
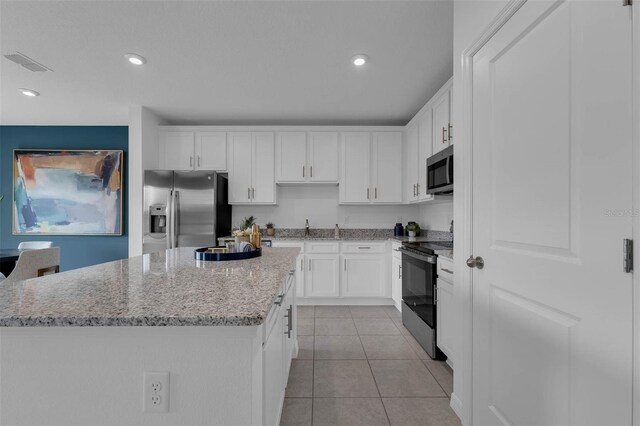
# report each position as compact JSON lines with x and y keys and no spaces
{"x":155,"y":392}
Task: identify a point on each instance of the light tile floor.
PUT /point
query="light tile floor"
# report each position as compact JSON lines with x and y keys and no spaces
{"x":358,"y":365}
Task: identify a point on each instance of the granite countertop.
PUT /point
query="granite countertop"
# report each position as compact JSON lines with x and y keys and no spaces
{"x":161,"y":289}
{"x":350,"y":234}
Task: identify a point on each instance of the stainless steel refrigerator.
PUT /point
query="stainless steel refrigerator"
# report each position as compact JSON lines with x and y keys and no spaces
{"x":184,"y":209}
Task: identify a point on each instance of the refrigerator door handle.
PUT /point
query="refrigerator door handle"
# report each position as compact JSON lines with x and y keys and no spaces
{"x":174,"y":216}
{"x":169,"y":231}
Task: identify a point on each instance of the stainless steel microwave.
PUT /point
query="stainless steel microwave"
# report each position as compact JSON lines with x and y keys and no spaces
{"x":440,"y":172}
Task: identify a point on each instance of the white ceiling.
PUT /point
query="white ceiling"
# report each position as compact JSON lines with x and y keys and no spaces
{"x":236,"y":62}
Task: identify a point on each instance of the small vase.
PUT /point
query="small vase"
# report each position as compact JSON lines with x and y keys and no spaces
{"x":240,"y":239}
{"x":271,"y":232}
{"x":412,"y":233}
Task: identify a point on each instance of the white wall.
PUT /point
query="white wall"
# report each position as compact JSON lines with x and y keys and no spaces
{"x":319,"y":204}
{"x":436,"y":216}
{"x":470,"y":18}
{"x":143,"y":155}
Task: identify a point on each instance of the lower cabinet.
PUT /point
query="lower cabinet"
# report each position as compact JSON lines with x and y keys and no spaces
{"x":445,"y":314}
{"x":322,"y":276}
{"x":396,"y":276}
{"x":363,"y":275}
{"x":278,"y":349}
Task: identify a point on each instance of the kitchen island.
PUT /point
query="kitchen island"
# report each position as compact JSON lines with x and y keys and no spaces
{"x":75,"y":346}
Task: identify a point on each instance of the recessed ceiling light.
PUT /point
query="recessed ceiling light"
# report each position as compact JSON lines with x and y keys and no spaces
{"x":135,"y":59}
{"x":29,"y":92}
{"x":359,"y":60}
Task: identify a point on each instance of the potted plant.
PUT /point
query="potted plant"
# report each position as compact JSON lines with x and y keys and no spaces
{"x":243,"y":231}
{"x":270,"y":231}
{"x":412,"y":229}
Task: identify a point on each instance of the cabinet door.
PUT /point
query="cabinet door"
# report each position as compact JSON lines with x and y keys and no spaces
{"x":263,"y":189}
{"x":323,"y":157}
{"x":425,"y":148}
{"x":240,"y":157}
{"x":387,"y":167}
{"x":355,"y":168}
{"x":211,"y":151}
{"x":396,"y":280}
{"x":273,"y":353}
{"x":176,"y":150}
{"x":289,"y":333}
{"x":441,"y":122}
{"x":323,"y":276}
{"x":411,"y":164}
{"x":363,"y":276}
{"x":444,"y":317}
{"x":291,"y":157}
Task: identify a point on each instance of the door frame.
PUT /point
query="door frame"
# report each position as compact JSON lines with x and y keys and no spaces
{"x":463,"y":210}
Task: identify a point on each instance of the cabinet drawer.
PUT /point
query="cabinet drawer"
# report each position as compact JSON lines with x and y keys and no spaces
{"x":313,"y":247}
{"x":363,"y":247}
{"x":445,"y":269}
{"x":297,"y":244}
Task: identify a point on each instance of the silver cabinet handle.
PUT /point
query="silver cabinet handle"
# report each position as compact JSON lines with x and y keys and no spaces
{"x":444,"y":135}
{"x":418,"y":189}
{"x":289,"y":318}
{"x":414,"y":190}
{"x":450,"y":127}
{"x":311,"y":169}
{"x":302,"y":170}
{"x":365,"y":248}
{"x":191,"y":161}
{"x":375,"y":192}
{"x":279,"y":299}
{"x":367,"y":193}
{"x":253,"y":193}
{"x":399,"y":271}
{"x":198,"y":161}
{"x":309,"y":264}
{"x":435,"y":295}
{"x":345,"y":265}
{"x":301,"y":264}
{"x":248,"y":193}
{"x":446,"y":270}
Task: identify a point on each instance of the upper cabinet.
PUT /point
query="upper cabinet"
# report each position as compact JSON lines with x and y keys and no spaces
{"x":371,"y":168}
{"x":307,"y":157}
{"x":188,"y":150}
{"x":428,"y":133}
{"x":442,"y":127}
{"x":251,"y":170}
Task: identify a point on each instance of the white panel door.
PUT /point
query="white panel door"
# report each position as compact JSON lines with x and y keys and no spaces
{"x":176,"y":150}
{"x":441,"y":122}
{"x":291,"y":157}
{"x":552,"y":175}
{"x":396,"y":280}
{"x":211,"y":151}
{"x":323,"y":276}
{"x":240,"y":167}
{"x":425,"y":148}
{"x":411,"y":153}
{"x":323,"y":157}
{"x":364,"y":275}
{"x":387,"y":167}
{"x":355,"y":170}
{"x":263,"y":189}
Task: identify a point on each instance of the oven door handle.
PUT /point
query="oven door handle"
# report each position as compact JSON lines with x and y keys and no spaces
{"x":425,"y":258}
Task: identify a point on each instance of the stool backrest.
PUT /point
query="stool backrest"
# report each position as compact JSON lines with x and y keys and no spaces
{"x":34,"y":245}
{"x":35,"y":263}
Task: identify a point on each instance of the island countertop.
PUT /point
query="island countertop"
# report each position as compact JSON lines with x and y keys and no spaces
{"x":161,"y":289}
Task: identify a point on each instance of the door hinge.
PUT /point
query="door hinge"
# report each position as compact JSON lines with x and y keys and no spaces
{"x":627,"y":2}
{"x":627,"y":255}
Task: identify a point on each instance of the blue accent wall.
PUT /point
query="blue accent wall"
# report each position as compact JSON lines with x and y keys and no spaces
{"x":75,"y":251}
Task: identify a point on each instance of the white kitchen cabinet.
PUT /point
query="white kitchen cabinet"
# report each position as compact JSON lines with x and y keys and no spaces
{"x":386,"y":174}
{"x":445,"y":308}
{"x":176,"y":150}
{"x":396,"y":275}
{"x":442,"y":128}
{"x":211,"y":151}
{"x":371,"y":168}
{"x":411,"y":153}
{"x":363,"y":275}
{"x":291,"y":157}
{"x":323,"y":157}
{"x":251,"y":168}
{"x":425,"y":148}
{"x":302,"y":158}
{"x":323,"y":276}
{"x":273,"y":368}
{"x":289,"y":322}
{"x":355,"y":168}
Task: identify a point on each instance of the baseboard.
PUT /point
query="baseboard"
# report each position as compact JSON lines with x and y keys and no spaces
{"x":344,"y":301}
{"x":456,"y":406}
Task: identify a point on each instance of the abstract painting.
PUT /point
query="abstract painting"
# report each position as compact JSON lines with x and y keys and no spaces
{"x":67,"y":192}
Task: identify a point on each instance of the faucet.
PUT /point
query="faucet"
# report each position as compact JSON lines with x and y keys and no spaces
{"x":306,"y":228}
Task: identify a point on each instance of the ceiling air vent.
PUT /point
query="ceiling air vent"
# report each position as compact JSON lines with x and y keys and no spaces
{"x":27,"y":62}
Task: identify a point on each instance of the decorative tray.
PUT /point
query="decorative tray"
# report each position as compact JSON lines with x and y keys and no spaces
{"x":205,"y":253}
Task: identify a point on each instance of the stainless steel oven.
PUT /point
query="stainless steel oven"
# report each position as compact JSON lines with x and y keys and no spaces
{"x":440,"y":172}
